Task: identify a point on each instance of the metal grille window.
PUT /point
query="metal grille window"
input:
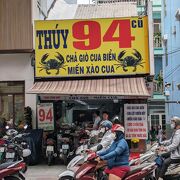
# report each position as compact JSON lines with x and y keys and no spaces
{"x":141,"y":2}
{"x":113,"y":1}
{"x":12,"y":102}
{"x":158,"y":119}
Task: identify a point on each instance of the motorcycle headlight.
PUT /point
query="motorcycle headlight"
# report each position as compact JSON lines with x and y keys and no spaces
{"x":26,"y":152}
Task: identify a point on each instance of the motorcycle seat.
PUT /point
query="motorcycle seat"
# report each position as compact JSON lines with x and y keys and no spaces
{"x":136,"y":168}
{"x":11,"y":146}
{"x":5,"y":165}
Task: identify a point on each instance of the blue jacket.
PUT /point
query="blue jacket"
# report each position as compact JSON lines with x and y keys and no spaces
{"x":117,"y":154}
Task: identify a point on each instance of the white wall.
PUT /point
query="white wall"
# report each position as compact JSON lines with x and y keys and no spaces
{"x":17,"y":67}
{"x":62,"y":10}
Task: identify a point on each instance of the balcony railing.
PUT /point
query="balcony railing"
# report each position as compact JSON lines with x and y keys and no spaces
{"x":158,"y":87}
{"x":141,"y":2}
{"x":157,"y":40}
{"x":158,"y":83}
{"x":114,"y":1}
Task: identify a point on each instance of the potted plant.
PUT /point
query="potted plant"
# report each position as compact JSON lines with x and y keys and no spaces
{"x":135,"y":142}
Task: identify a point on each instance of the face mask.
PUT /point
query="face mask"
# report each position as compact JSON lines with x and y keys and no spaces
{"x":102,"y":130}
{"x":172,"y":126}
{"x":113,"y":135}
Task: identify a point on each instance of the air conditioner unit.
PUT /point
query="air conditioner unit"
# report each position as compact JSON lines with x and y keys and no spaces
{"x":165,"y":38}
{"x":177,"y":15}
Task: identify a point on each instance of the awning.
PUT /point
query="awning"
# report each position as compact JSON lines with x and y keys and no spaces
{"x":106,"y":87}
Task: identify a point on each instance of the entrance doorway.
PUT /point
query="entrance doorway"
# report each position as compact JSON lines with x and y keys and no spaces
{"x":158,"y":119}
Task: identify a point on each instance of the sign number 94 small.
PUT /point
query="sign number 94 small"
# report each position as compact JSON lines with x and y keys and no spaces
{"x":45,"y":116}
{"x":88,"y":35}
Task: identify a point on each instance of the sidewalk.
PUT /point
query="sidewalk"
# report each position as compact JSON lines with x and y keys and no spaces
{"x":44,"y":172}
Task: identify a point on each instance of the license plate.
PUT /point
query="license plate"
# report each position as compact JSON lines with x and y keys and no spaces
{"x":2,"y":149}
{"x":65,"y":146}
{"x":10,"y":155}
{"x":50,"y":148}
{"x":67,"y":132}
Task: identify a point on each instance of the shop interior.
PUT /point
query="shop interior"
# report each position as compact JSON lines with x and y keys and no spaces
{"x":80,"y":112}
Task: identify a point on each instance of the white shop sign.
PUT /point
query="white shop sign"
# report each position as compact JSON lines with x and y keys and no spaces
{"x":135,"y":116}
{"x":45,"y":116}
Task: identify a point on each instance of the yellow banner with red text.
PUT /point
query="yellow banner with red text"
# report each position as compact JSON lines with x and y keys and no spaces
{"x":94,"y":47}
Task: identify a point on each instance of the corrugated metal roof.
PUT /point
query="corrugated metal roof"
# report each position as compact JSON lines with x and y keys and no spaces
{"x":118,"y":87}
{"x":113,"y":1}
{"x":62,"y":10}
{"x":107,"y":10}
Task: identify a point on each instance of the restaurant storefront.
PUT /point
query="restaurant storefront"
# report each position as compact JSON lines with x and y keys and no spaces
{"x":63,"y":102}
{"x":78,"y":71}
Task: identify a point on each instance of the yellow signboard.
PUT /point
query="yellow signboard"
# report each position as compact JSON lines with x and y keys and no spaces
{"x":94,"y":47}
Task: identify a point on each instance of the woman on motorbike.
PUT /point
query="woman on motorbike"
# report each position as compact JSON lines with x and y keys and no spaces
{"x":107,"y":136}
{"x":117,"y":156}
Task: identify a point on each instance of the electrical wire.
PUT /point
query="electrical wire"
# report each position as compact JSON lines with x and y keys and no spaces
{"x":177,"y":67}
{"x":172,"y":52}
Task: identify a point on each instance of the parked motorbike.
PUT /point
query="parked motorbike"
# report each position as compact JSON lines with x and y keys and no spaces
{"x":15,"y":146}
{"x":65,"y":145}
{"x":13,"y":170}
{"x":50,"y":150}
{"x":2,"y":150}
{"x":64,"y":150}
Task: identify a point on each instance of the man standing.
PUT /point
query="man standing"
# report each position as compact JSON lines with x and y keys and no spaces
{"x":97,"y":120}
{"x":105,"y":115}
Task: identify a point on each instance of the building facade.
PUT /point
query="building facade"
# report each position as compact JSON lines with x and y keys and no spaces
{"x":17,"y":56}
{"x":74,"y":101}
{"x":157,"y":101}
{"x":171,"y":51}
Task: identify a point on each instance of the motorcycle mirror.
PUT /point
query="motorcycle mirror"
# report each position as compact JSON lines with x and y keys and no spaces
{"x":25,"y":126}
{"x":99,"y":147}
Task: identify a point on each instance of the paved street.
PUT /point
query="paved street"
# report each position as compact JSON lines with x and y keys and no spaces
{"x":44,"y":172}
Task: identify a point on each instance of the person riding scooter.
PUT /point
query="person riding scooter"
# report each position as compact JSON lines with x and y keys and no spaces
{"x":172,"y":146}
{"x":117,"y":156}
{"x":107,"y":139}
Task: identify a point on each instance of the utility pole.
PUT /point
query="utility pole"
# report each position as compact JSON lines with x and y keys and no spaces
{"x":148,"y":11}
{"x":146,"y":8}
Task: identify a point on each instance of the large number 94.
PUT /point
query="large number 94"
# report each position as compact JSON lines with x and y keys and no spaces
{"x":45,"y":116}
{"x":88,"y":34}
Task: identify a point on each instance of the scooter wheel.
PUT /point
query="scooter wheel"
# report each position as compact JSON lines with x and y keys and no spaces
{"x":49,"y":160}
{"x":151,"y":178}
{"x":66,"y":178}
{"x":65,"y":161}
{"x":12,"y":178}
{"x":172,"y":177}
